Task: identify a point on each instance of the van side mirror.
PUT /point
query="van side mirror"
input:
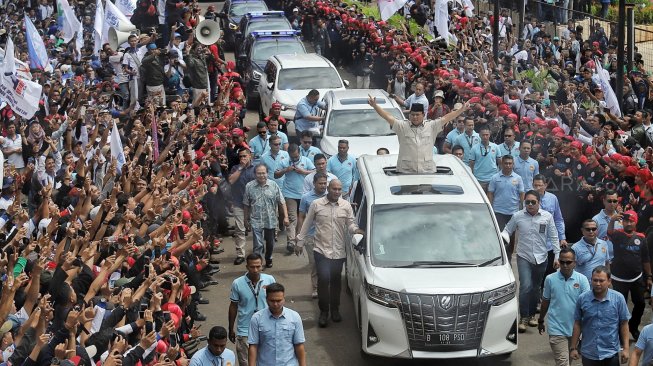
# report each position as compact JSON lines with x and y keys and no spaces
{"x":346,"y":83}
{"x":358,"y":243}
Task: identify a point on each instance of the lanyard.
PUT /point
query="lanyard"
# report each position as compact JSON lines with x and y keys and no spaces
{"x":255,"y":292}
{"x":301,"y":151}
{"x":470,"y":141}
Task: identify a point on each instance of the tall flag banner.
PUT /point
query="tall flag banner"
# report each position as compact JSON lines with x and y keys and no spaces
{"x":127,"y":7}
{"x":22,"y":95}
{"x":98,"y":25}
{"x":116,"y":147}
{"x":611,"y":100}
{"x":387,"y":8}
{"x":113,"y":17}
{"x":70,"y":23}
{"x":79,"y":42}
{"x":469,"y":8}
{"x":38,"y":55}
{"x":442,"y":20}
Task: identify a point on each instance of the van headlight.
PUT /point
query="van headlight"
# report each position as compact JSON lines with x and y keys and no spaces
{"x":502,"y":295}
{"x":382,"y":296}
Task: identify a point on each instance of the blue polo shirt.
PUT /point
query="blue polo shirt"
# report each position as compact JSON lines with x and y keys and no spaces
{"x":451,"y":136}
{"x":506,"y":190}
{"x":600,"y":321}
{"x":204,"y":357}
{"x":485,"y":161}
{"x":305,"y":204}
{"x":645,"y":343}
{"x":276,"y":337}
{"x":305,"y":109}
{"x":284,"y":137}
{"x":345,"y":170}
{"x":526,"y":169}
{"x":310,"y":152}
{"x":602,"y":220}
{"x":563,"y":294}
{"x":259,"y":147}
{"x":273,"y":163}
{"x":513,"y":151}
{"x":293,"y":185}
{"x":590,"y":256}
{"x":250,"y":298}
{"x":467,"y":142}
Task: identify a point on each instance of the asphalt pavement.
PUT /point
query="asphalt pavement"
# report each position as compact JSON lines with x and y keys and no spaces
{"x":338,"y":344}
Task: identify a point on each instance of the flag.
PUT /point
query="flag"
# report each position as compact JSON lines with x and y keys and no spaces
{"x":388,"y":7}
{"x":127,"y":7}
{"x":22,"y":95}
{"x":70,"y":22}
{"x":38,"y":55}
{"x":116,"y":147}
{"x":79,"y":42}
{"x":441,"y":15}
{"x":112,"y":18}
{"x":469,"y":8}
{"x":611,"y":100}
{"x":98,"y":26}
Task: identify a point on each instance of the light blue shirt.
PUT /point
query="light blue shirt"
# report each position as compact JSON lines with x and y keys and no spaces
{"x":645,"y":343}
{"x":345,"y":170}
{"x":305,"y":204}
{"x":276,"y":337}
{"x":600,"y":322}
{"x":259,"y":147}
{"x":250,"y":298}
{"x":467,"y":143}
{"x":308,"y":181}
{"x":590,"y":256}
{"x":412,"y":99}
{"x":204,"y":357}
{"x":526,"y":169}
{"x":549,"y":203}
{"x":506,"y":190}
{"x":293,"y":185}
{"x":273,"y":163}
{"x":310,"y":152}
{"x":451,"y":136}
{"x":602,"y":220}
{"x":506,"y":150}
{"x":562,"y":295}
{"x":485,"y":161}
{"x":533,"y":232}
{"x":305,"y":109}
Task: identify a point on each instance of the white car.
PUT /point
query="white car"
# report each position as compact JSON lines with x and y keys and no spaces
{"x":430,"y":278}
{"x":288,"y":78}
{"x":350,"y":117}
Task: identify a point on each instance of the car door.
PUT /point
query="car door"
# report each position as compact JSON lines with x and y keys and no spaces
{"x":358,"y":265}
{"x":356,"y":201}
{"x":265,"y":92}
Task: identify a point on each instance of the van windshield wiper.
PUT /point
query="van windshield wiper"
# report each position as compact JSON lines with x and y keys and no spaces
{"x":417,"y":264}
{"x":490,"y":261}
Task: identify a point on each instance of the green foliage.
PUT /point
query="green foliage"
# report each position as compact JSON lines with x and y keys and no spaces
{"x":396,"y":21}
{"x":643,"y":14}
{"x":540,"y":80}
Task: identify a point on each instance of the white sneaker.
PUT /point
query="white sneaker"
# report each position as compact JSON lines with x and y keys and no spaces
{"x":314,"y":294}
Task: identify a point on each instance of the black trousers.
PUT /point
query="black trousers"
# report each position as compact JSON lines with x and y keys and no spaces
{"x":328,"y":281}
{"x":636,"y":290}
{"x":502,"y":220}
{"x":612,"y":361}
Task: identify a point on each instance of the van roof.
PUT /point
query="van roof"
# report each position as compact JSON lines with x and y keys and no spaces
{"x":290,"y":61}
{"x":454,"y":182}
{"x":357,"y":98}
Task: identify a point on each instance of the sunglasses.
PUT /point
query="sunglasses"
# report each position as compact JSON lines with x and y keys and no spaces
{"x":613,"y":201}
{"x":590,"y":228}
{"x":277,"y":144}
{"x":243,"y":156}
{"x":530,"y":202}
{"x":567,"y":263}
{"x":507,"y":136}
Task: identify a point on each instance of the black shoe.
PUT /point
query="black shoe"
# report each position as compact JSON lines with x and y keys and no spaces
{"x":203,"y":301}
{"x":217,"y":251}
{"x":239,"y":260}
{"x":214,"y":261}
{"x":335,"y":316}
{"x":290,"y":248}
{"x":323,"y":320}
{"x":268,"y":264}
{"x":214,"y":271}
{"x":199,"y":317}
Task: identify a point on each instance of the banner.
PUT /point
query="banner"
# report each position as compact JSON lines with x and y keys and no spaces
{"x":112,"y":18}
{"x":38,"y":55}
{"x":98,"y":25}
{"x":70,"y":22}
{"x":387,"y":8}
{"x":127,"y":7}
{"x":604,"y":82}
{"x":79,"y":42}
{"x":116,"y":147}
{"x":469,"y":8}
{"x":441,"y":15}
{"x":22,"y":95}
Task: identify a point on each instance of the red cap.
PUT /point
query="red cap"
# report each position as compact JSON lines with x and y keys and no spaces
{"x":577,"y":145}
{"x":632,"y":215}
{"x":185,"y":215}
{"x":631,"y":171}
{"x":513,"y":116}
{"x":238,"y":132}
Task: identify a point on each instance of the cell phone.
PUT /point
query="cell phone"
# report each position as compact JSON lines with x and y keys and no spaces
{"x":180,"y":231}
{"x":167,"y":285}
{"x":166,"y":316}
{"x":146,"y":272}
{"x":173,"y":340}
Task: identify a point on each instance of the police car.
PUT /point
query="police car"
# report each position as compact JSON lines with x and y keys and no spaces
{"x":257,"y":49}
{"x":232,"y":12}
{"x":256,"y":21}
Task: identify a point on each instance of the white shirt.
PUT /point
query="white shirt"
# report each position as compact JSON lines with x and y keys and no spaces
{"x":16,"y":158}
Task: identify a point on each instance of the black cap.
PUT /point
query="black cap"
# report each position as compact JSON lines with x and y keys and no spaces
{"x":417,"y":107}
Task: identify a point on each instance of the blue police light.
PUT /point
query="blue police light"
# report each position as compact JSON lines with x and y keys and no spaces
{"x":265,"y":14}
{"x":281,"y":33}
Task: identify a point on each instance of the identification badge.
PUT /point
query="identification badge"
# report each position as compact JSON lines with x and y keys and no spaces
{"x":542,"y":228}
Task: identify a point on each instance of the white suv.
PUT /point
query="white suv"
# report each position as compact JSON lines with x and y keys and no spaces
{"x":288,"y":78}
{"x":430,"y":278}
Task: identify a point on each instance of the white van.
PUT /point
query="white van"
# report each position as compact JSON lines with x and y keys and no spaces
{"x":430,"y":278}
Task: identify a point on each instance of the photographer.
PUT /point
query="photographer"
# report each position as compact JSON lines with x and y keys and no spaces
{"x":174,"y":70}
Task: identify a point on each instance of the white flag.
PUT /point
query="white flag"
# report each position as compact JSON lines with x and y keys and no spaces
{"x":98,"y":26}
{"x":116,"y":148}
{"x":112,"y":18}
{"x":387,"y":8}
{"x":70,"y":21}
{"x":441,"y":19}
{"x":79,"y":42}
{"x":127,"y":7}
{"x":469,"y":8}
{"x":22,"y":95}
{"x":611,"y":100}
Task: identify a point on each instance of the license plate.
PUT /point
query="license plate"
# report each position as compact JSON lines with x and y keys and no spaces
{"x":445,"y":338}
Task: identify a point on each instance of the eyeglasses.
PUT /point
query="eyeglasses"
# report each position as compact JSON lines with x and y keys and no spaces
{"x":243,"y":156}
{"x":590,"y":228}
{"x":612,"y":201}
{"x":277,"y":144}
{"x":530,"y":202}
{"x":566,"y":263}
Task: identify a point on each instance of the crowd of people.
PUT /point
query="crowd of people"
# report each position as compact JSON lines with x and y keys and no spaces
{"x":104,"y":261}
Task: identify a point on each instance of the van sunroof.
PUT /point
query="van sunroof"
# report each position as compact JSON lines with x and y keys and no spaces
{"x":426,"y":189}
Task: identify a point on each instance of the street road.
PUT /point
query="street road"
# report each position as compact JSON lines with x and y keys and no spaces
{"x":338,"y":344}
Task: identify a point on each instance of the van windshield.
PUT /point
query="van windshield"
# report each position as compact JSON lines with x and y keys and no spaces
{"x":360,"y":122}
{"x":442,"y":233}
{"x":309,"y":78}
